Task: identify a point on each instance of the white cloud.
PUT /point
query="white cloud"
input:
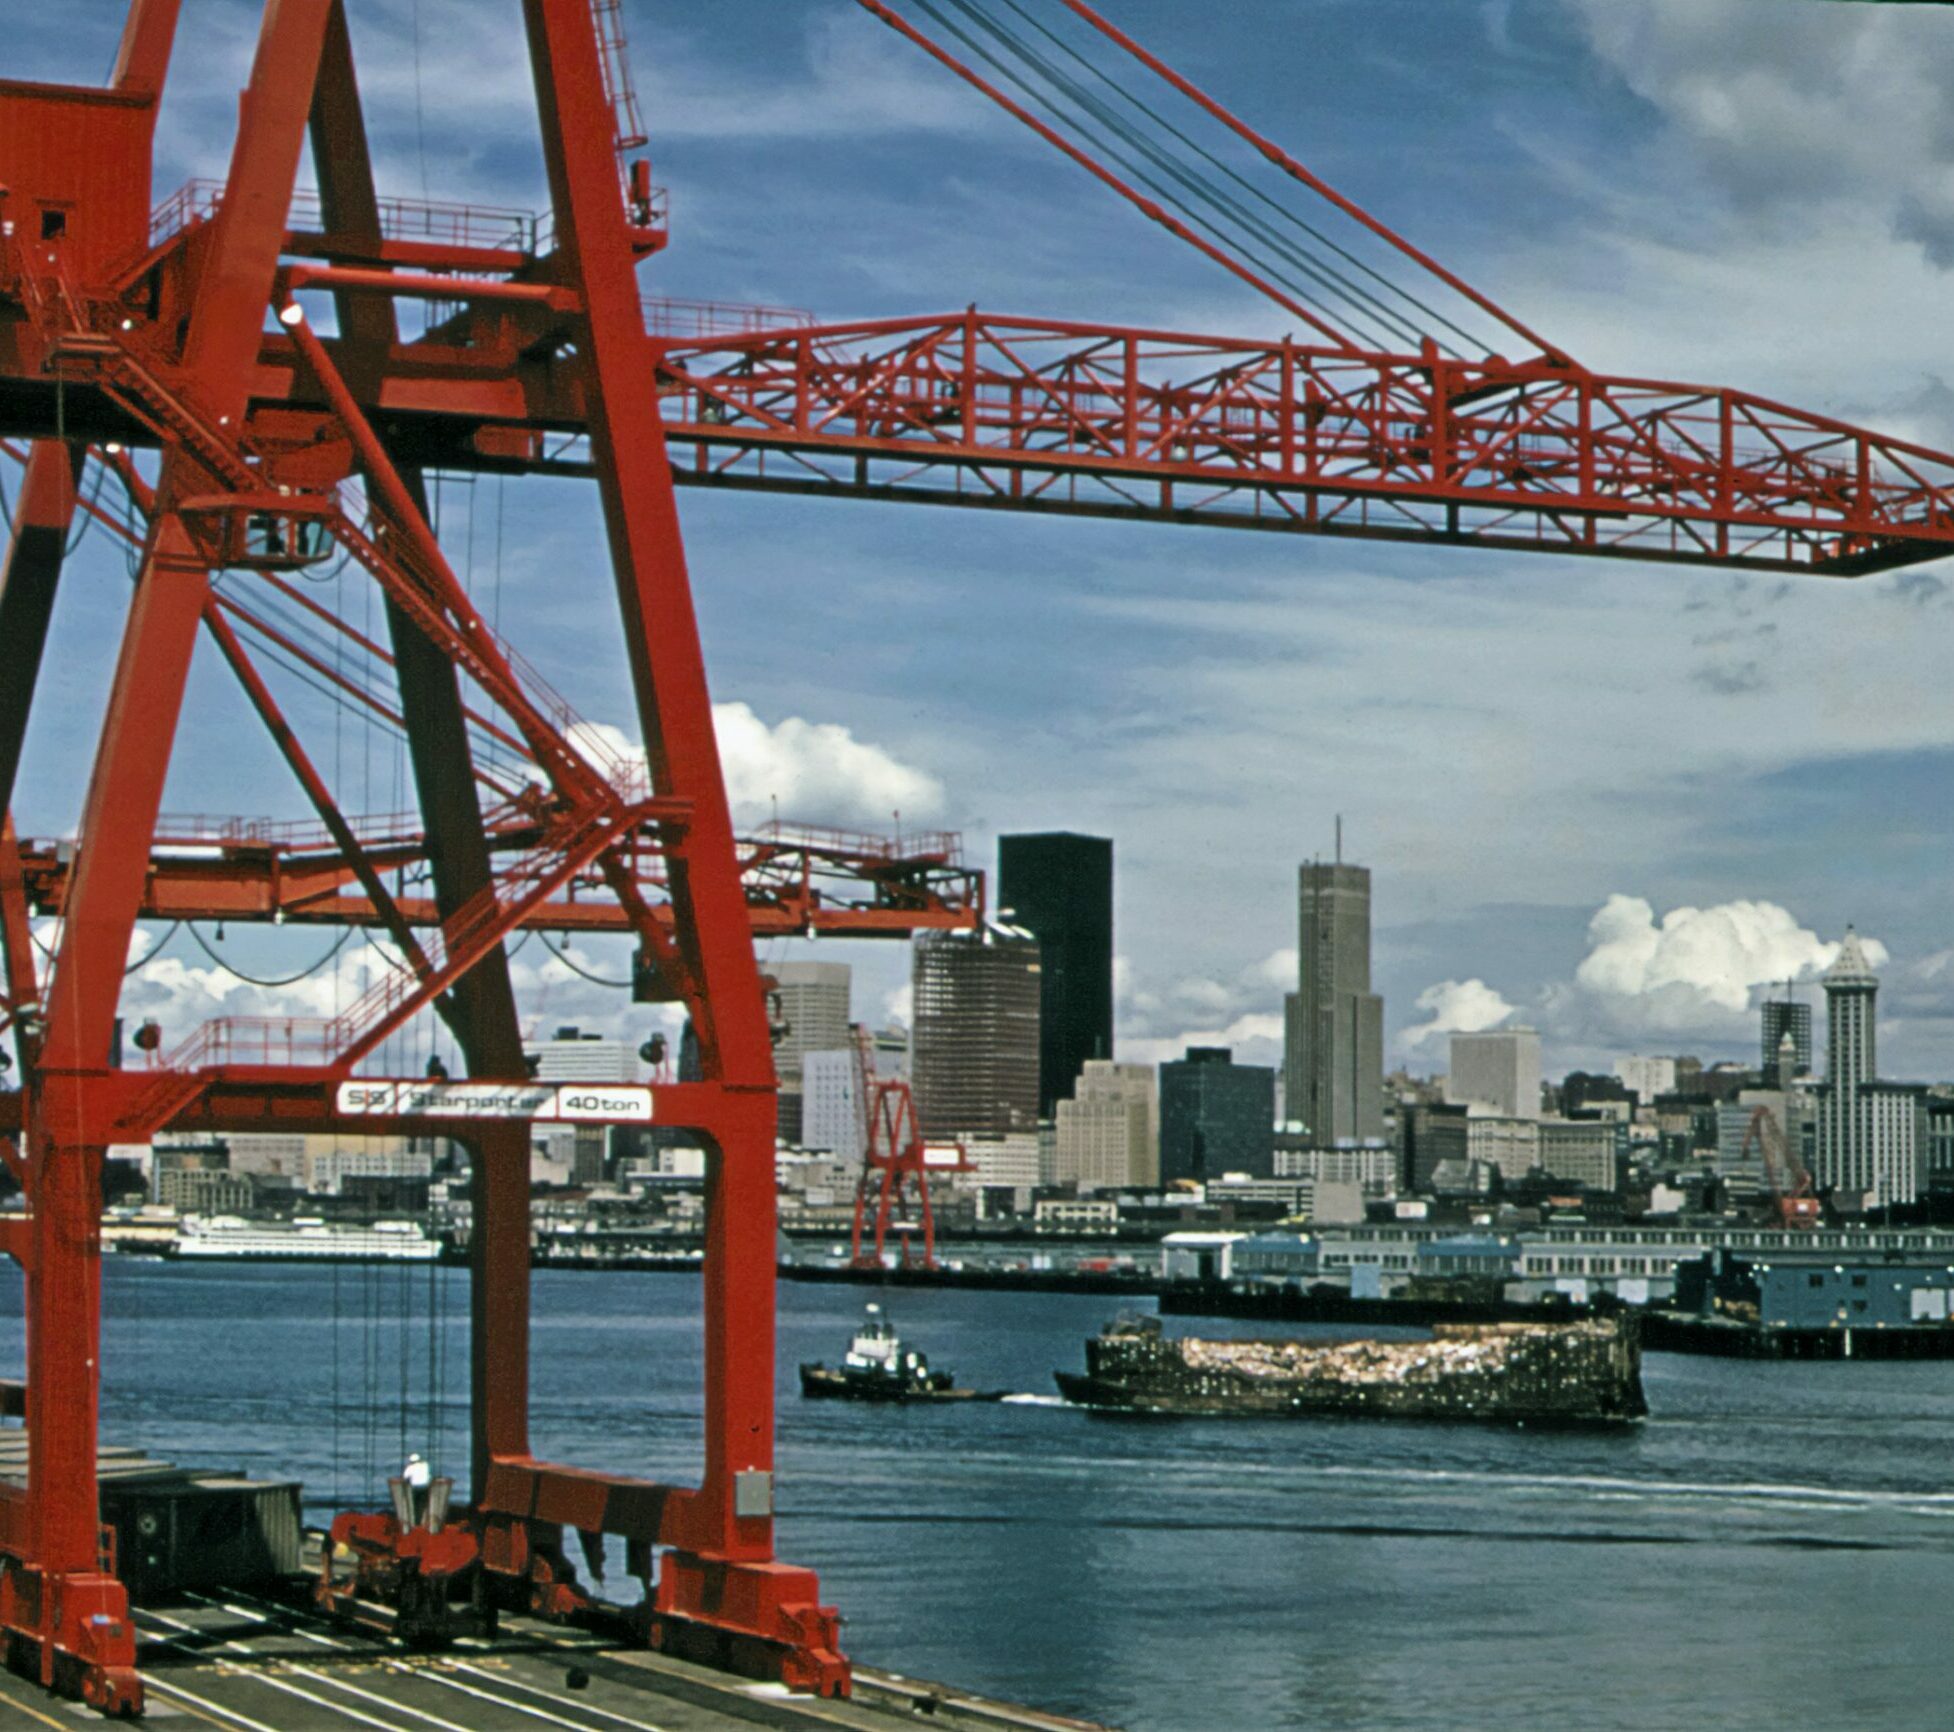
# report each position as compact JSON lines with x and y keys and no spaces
{"x":806,"y":772}
{"x":1788,"y":108}
{"x":1255,"y":1038}
{"x":1242,"y":1011}
{"x":859,"y":80}
{"x":1456,"y":1007}
{"x":1718,"y":954}
{"x":817,"y":771}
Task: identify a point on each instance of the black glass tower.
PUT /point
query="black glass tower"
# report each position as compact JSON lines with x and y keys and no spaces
{"x":1059,"y":887}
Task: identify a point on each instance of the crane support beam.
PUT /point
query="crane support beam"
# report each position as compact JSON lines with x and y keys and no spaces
{"x":830,"y":883}
{"x":1069,"y":419}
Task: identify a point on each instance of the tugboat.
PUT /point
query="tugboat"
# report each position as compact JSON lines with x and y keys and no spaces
{"x":877,"y":1367}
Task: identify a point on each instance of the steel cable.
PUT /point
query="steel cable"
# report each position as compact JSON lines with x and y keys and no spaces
{"x":1230,"y":219}
{"x":1357,"y":301}
{"x":1281,"y":210}
{"x":563,"y":957}
{"x":229,"y":967}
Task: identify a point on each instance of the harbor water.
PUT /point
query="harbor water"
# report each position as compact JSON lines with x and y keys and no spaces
{"x":1775,"y":1546}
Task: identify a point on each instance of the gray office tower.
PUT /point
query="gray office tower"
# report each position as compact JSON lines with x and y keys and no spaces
{"x":1059,"y":888}
{"x":1216,"y":1117}
{"x":1333,"y":1028}
{"x":813,"y":1004}
{"x":974,"y":1043}
{"x":1782,"y":1017}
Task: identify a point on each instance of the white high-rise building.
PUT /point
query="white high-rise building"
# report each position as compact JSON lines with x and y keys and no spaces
{"x":1648,"y":1077}
{"x":1871,"y":1135}
{"x":830,"y":1118}
{"x":830,"y":1081}
{"x":1498,"y":1070}
{"x":575,"y":1057}
{"x":1108,"y":1134}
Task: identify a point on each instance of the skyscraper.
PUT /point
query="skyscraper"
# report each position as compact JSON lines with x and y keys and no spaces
{"x":974,"y":1045}
{"x":1333,"y":1026}
{"x":1781,"y":1017}
{"x":1870,"y":1134}
{"x":1059,"y":888}
{"x":812,"y":1001}
{"x":1108,"y":1134}
{"x":1498,"y":1068}
{"x":1216,"y":1116}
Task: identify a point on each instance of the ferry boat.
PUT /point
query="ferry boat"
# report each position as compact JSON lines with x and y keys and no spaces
{"x":877,"y":1367}
{"x":307,"y":1239}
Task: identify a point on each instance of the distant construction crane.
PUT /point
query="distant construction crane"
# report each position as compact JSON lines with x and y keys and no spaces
{"x":1784,"y":1173}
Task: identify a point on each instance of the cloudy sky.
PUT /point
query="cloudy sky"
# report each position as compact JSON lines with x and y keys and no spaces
{"x":1612,"y":801}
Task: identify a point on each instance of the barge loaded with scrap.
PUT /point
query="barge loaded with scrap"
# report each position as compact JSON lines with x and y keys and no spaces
{"x":1584,"y":1373}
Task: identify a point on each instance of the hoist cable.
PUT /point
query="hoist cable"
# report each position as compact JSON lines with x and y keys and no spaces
{"x":563,"y":957}
{"x":229,"y":967}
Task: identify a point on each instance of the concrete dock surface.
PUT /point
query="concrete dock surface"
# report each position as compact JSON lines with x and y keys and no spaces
{"x":245,"y":1663}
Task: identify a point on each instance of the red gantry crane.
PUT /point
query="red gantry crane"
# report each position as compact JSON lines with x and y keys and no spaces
{"x":175,"y":352}
{"x":895,"y":1163}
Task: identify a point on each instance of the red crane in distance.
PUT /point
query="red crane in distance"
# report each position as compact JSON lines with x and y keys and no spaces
{"x":1792,"y":1201}
{"x":895,"y":1163}
{"x":479,"y":340}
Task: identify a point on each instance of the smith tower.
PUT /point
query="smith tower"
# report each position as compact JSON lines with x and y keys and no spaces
{"x":1848,"y":1131}
{"x":1333,"y":1026}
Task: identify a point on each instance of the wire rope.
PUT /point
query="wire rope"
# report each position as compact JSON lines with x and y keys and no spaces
{"x":1335,"y":285}
{"x":230,"y":967}
{"x":1228,"y":241}
{"x":143,"y":961}
{"x":87,"y":515}
{"x":1257,"y":193}
{"x":1223,"y":217}
{"x":1356,"y":308}
{"x":563,"y":957}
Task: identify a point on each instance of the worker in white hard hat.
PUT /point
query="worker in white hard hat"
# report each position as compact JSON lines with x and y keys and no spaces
{"x":417,"y":1476}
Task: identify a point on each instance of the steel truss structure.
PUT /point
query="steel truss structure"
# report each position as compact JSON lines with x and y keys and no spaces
{"x":498,"y":341}
{"x":159,"y":328}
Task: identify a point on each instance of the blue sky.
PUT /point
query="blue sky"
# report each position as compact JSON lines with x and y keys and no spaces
{"x":1750,"y":192}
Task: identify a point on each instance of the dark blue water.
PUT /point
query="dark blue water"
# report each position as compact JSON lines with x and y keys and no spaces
{"x":1774,"y":1548}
